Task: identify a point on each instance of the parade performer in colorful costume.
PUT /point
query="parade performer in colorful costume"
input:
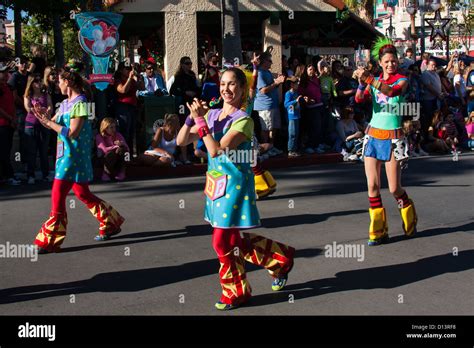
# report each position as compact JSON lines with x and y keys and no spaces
{"x":265,"y":184}
{"x":73,"y":167}
{"x":230,"y":192}
{"x":385,"y":141}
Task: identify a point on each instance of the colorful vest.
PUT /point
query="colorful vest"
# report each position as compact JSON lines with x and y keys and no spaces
{"x":73,"y":156}
{"x":230,"y":186}
{"x":387,"y":110}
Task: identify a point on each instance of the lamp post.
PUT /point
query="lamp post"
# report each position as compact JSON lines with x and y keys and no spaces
{"x":448,"y":33}
{"x":421,"y":4}
{"x":423,"y":8}
{"x":389,"y":32}
{"x":411,"y":9}
{"x":435,"y":5}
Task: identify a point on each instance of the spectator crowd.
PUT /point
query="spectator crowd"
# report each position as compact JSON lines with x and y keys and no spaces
{"x":304,"y":109}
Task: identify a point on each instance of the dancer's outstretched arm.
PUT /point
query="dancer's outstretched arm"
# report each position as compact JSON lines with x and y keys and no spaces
{"x":390,"y":91}
{"x":230,"y":141}
{"x":72,"y":132}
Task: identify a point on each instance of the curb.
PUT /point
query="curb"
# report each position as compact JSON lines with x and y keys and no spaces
{"x":198,"y":169}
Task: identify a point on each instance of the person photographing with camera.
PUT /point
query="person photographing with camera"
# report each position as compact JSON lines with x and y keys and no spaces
{"x":127,"y":83}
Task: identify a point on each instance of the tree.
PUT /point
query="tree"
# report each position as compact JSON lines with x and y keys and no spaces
{"x":58,"y":40}
{"x":468,"y":17}
{"x":231,"y":44}
{"x":363,"y":8}
{"x":49,"y":14}
{"x":17,"y":20}
{"x":33,"y":34}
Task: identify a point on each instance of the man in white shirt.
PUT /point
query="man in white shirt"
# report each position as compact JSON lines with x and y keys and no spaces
{"x":431,"y":92}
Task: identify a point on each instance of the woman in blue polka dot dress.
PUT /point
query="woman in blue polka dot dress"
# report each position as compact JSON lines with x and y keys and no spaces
{"x":73,"y":167}
{"x":230,"y":191}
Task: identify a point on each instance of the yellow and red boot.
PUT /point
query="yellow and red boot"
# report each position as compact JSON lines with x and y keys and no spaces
{"x":409,"y":219}
{"x":265,"y":184}
{"x":378,"y":228}
{"x":52,"y":233}
{"x":236,"y":289}
{"x":276,"y":257}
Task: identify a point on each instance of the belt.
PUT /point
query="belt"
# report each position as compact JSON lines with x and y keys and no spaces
{"x":384,"y":134}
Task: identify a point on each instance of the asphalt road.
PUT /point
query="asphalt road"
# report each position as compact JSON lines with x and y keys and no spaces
{"x":163,"y":262}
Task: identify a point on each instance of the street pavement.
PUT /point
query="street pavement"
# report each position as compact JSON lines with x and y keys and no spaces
{"x":163,"y":262}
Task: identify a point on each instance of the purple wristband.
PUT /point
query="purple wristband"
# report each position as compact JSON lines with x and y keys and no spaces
{"x":361,"y":87}
{"x":189,"y":121}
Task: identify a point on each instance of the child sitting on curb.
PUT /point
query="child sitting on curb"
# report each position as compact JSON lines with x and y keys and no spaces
{"x":112,"y":146}
{"x":163,"y":146}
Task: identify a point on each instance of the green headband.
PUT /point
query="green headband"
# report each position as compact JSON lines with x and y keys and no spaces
{"x":380,"y":42}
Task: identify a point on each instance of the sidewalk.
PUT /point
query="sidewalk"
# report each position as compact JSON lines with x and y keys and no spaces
{"x":141,"y":172}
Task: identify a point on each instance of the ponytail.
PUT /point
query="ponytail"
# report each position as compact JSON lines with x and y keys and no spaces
{"x":75,"y":80}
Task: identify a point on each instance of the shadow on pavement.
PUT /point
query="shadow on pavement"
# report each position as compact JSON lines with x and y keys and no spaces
{"x":127,"y":281}
{"x":384,"y":277}
{"x":435,"y":231}
{"x":204,"y":230}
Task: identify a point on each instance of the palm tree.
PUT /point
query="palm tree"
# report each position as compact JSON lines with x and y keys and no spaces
{"x":363,"y":8}
{"x":231,"y":45}
{"x":58,"y":40}
{"x":17,"y":24}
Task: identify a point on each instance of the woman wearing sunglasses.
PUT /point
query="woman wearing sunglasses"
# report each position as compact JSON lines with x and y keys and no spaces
{"x":185,"y":88}
{"x":37,"y":137}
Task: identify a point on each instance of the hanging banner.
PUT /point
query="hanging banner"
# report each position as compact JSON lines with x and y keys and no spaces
{"x":390,"y":3}
{"x":98,"y":37}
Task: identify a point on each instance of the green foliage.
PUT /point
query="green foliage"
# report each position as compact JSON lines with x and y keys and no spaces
{"x":43,"y":10}
{"x":352,"y":4}
{"x":33,"y":34}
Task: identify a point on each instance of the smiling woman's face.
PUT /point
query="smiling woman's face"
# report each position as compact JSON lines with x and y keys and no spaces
{"x":231,"y":91}
{"x":389,"y":63}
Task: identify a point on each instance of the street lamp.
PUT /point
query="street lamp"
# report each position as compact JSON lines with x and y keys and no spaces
{"x":411,"y":9}
{"x":423,"y":7}
{"x":390,"y":31}
{"x":454,"y":21}
{"x":435,"y":5}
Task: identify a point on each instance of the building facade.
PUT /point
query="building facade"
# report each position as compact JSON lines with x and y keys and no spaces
{"x":190,"y":28}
